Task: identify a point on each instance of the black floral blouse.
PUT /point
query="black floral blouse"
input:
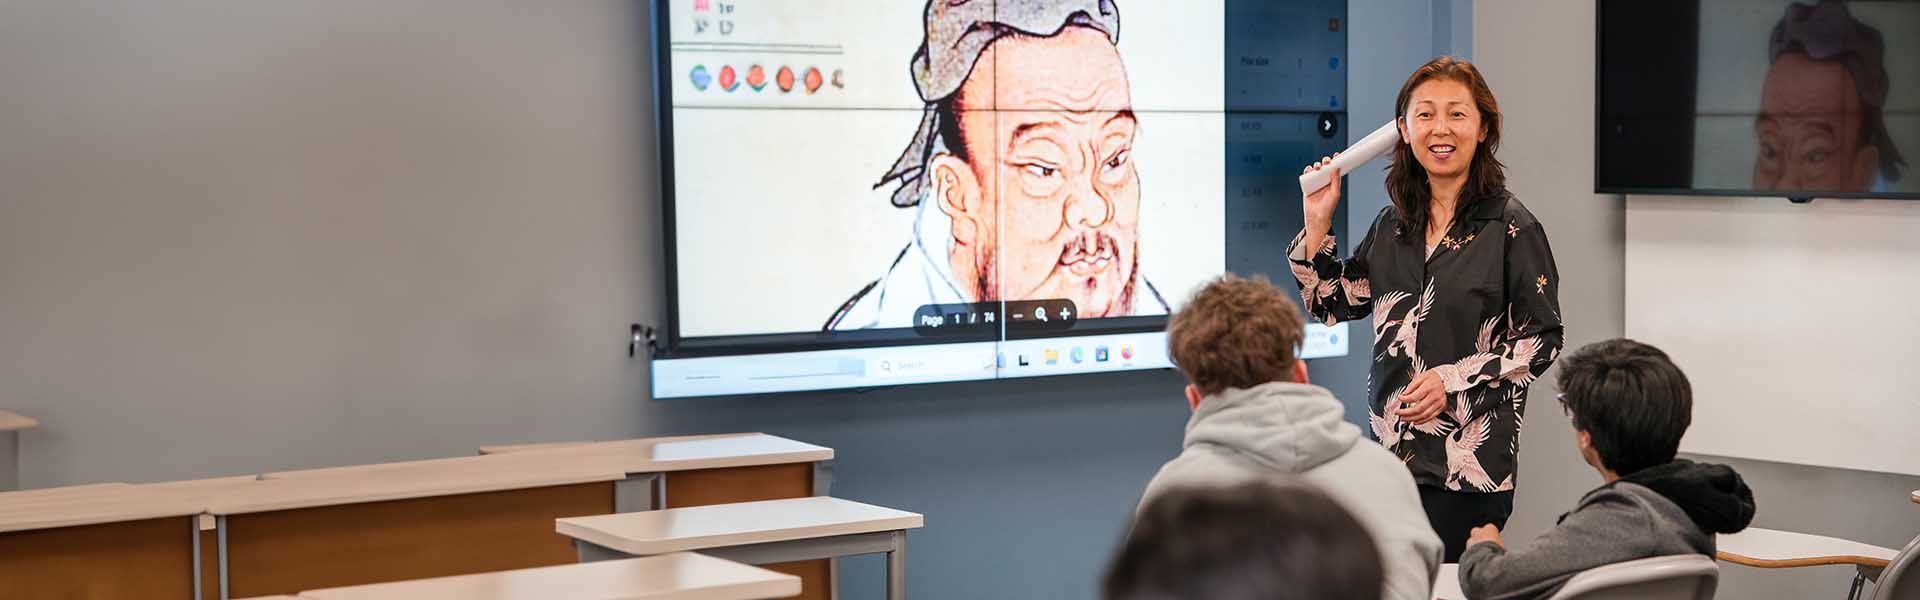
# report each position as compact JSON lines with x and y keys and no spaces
{"x":1482,"y":312}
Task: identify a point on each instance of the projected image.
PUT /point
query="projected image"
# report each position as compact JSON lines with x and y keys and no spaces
{"x":1822,"y":123}
{"x":878,"y":192}
{"x":1039,"y":193}
{"x":1807,"y":96}
{"x":998,"y":151}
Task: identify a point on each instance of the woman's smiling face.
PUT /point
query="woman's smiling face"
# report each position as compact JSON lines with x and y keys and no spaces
{"x":1443,"y":127}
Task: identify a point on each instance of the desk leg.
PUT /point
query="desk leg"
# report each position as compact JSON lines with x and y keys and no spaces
{"x":9,"y":461}
{"x":636,"y":492}
{"x":591,"y":552}
{"x":1853,"y":591}
{"x":220,"y":533}
{"x":823,"y":478}
{"x":193,"y":530}
{"x":823,"y":486}
{"x":897,"y":567}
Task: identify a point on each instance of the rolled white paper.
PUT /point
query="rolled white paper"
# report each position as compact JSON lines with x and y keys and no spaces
{"x":1379,"y":142}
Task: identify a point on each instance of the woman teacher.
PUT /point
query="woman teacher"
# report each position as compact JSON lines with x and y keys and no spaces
{"x":1461,"y":285}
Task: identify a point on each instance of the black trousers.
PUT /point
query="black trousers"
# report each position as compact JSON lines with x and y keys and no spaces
{"x":1454,"y":514}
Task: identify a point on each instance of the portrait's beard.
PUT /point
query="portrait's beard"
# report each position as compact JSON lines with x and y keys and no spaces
{"x":1087,"y":248}
{"x":986,"y":287}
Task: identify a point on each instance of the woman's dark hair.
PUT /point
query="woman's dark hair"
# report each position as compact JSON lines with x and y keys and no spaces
{"x":1259,"y":540}
{"x":1407,"y":180}
{"x":1631,"y":398}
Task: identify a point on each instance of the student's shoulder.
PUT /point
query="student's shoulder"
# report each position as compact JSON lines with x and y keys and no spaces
{"x":1202,"y":465}
{"x":1372,"y":470}
{"x":1620,"y":499}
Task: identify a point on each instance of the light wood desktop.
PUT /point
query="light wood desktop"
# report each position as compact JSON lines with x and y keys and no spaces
{"x":505,"y":448}
{"x":110,"y":540}
{"x":707,"y":527}
{"x":1916,"y":497}
{"x":10,"y":426}
{"x":11,"y":421}
{"x":678,"y":453}
{"x":764,"y":532}
{"x":1772,"y":549}
{"x":682,"y":576}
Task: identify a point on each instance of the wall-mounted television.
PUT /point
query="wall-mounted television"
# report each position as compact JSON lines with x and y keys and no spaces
{"x":1793,"y":98}
{"x":866,"y":193}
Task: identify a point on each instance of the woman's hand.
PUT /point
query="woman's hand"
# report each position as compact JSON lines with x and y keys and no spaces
{"x":1318,"y":206}
{"x":1423,"y":399}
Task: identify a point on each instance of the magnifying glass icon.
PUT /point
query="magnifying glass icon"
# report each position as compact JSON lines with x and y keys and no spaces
{"x":1040,"y":313}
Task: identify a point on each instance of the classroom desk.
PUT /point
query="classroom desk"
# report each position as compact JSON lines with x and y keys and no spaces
{"x":1772,"y":549}
{"x":709,"y":469}
{"x":110,"y":540}
{"x":682,"y":576}
{"x":10,"y":426}
{"x":283,"y":532}
{"x":280,"y":534}
{"x":1447,"y":585}
{"x":772,"y":531}
{"x":1915,"y":497}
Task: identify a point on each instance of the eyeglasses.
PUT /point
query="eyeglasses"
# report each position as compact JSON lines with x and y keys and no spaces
{"x":1562,"y":397}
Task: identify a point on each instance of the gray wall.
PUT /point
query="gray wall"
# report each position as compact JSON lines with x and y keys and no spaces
{"x":238,"y":236}
{"x":247,"y":236}
{"x":1539,"y":58}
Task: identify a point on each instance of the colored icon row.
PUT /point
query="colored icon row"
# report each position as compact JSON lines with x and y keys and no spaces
{"x":785,"y":79}
{"x":1077,"y":355}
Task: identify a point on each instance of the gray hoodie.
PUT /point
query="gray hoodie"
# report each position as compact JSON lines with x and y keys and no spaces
{"x":1297,"y":429}
{"x":1675,"y":508}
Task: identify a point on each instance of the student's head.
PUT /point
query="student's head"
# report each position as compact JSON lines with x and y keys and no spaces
{"x":1264,"y":539}
{"x":1236,"y":333}
{"x":1628,"y":402}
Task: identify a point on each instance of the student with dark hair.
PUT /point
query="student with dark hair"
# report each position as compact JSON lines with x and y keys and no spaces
{"x":1630,"y":405}
{"x":1255,"y":416}
{"x":1264,"y":539}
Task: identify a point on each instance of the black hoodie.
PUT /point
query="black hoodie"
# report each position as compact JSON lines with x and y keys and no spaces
{"x":1712,"y":495}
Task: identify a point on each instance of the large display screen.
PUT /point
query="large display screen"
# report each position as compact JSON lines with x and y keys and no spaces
{"x":882,"y":192}
{"x":1800,"y":99}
